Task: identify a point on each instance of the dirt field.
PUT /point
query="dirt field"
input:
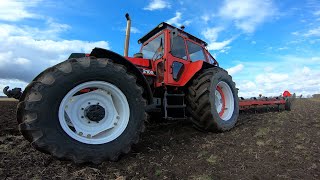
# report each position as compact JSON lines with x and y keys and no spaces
{"x":271,"y":145}
{"x":7,"y":99}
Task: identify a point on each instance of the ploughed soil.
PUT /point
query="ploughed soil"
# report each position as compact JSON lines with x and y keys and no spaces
{"x":271,"y":145}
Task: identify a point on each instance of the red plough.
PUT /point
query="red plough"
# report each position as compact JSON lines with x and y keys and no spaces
{"x":268,"y":103}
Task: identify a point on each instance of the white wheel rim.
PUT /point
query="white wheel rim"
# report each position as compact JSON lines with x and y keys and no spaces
{"x":224,"y":101}
{"x":75,"y":113}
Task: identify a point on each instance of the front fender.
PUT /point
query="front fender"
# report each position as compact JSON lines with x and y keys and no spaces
{"x":141,"y":80}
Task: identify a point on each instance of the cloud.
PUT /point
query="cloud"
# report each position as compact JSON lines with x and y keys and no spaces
{"x":313,"y":32}
{"x":51,"y":31}
{"x":271,"y":77}
{"x":283,"y":48}
{"x":212,"y":35}
{"x":317,"y":13}
{"x":306,"y":71}
{"x":11,"y":10}
{"x":156,"y":5}
{"x":246,"y":88}
{"x":273,"y":84}
{"x":23,"y":57}
{"x":297,"y":74}
{"x":235,"y":69}
{"x":219,"y":45}
{"x":26,"y":51}
{"x":133,"y":30}
{"x":205,"y":18}
{"x":176,"y":20}
{"x":247,"y":14}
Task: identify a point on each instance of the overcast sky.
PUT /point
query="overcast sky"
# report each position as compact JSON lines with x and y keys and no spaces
{"x":268,"y":46}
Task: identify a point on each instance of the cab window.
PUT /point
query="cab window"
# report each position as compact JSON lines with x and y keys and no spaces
{"x":178,"y":48}
{"x":154,"y":49}
{"x":195,"y":52}
{"x":210,"y":58}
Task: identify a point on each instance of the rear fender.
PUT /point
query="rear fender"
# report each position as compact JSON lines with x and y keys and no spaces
{"x":103,"y":53}
{"x":192,"y":70}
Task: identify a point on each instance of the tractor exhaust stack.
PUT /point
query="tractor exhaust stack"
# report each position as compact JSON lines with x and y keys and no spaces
{"x":126,"y":43}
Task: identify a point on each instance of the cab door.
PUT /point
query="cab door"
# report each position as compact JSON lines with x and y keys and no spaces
{"x":177,"y":59}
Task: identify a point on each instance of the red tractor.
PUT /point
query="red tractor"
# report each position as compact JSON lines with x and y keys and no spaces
{"x":92,"y":107}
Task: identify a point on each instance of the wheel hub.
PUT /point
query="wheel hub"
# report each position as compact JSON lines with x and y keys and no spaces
{"x":224,"y":101}
{"x":106,"y":105}
{"x":95,"y":113}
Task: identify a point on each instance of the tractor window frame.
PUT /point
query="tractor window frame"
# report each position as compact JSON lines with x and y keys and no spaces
{"x":205,"y":58}
{"x":185,"y":48}
{"x":210,"y":58}
{"x":161,"y":33}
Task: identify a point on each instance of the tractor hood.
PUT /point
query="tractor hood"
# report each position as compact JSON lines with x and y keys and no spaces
{"x":140,"y":62}
{"x":144,"y":65}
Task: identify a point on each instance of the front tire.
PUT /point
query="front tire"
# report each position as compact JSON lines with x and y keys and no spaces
{"x":213,"y":102}
{"x":85,"y":110}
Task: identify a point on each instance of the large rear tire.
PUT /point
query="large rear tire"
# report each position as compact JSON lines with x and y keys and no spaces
{"x":213,"y":102}
{"x":84,"y":110}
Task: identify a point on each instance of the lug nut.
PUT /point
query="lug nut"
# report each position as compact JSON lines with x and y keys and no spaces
{"x":80,"y":133}
{"x":82,"y":117}
{"x":118,"y":117}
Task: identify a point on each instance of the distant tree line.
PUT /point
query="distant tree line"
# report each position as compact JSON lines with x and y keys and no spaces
{"x":316,"y":96}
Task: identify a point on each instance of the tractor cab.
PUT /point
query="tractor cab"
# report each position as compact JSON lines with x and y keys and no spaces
{"x":171,"y":55}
